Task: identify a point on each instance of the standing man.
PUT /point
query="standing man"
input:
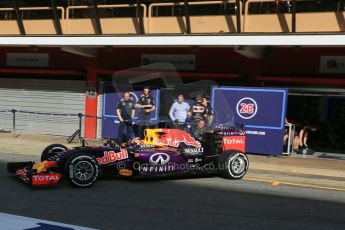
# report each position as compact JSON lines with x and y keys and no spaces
{"x":179,"y":109}
{"x":125,"y":110}
{"x":209,"y":111}
{"x":146,"y":104}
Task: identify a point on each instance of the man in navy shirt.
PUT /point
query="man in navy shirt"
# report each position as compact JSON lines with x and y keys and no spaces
{"x":125,"y":110}
{"x":147,"y":105}
{"x":209,"y":110}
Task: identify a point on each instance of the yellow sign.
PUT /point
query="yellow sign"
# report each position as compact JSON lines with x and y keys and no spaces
{"x":126,"y":172}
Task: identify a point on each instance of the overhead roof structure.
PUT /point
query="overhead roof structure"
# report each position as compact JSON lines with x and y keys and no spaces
{"x":179,"y":40}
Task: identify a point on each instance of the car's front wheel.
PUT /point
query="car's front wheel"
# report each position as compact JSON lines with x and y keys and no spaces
{"x":81,"y":170}
{"x":52,"y":150}
{"x":233,"y":164}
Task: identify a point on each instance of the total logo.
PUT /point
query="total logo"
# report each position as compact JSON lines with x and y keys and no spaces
{"x":159,"y":158}
{"x":246,"y":108}
{"x":46,"y":179}
{"x":233,"y":141}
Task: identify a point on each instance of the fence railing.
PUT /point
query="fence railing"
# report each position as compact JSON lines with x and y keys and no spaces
{"x":112,"y":20}
{"x":175,"y":18}
{"x":36,"y":20}
{"x":176,"y":21}
{"x":281,"y":19}
{"x":23,"y":121}
{"x":17,"y":122}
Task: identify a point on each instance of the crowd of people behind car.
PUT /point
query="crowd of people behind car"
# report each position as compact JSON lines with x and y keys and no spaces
{"x":195,"y":118}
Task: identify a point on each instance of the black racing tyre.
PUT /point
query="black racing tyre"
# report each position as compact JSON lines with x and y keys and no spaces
{"x":52,"y":150}
{"x":233,"y":165}
{"x":81,"y":170}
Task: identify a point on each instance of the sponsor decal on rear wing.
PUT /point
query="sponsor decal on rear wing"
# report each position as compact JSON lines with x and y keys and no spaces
{"x":234,"y":143}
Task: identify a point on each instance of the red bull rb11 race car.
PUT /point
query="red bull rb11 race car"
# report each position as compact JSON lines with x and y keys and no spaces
{"x":162,"y":152}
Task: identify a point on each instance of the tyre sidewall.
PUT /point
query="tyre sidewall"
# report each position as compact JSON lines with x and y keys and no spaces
{"x":225,"y":162}
{"x":70,"y":166}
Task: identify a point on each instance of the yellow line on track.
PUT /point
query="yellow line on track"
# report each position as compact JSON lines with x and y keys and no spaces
{"x":296,"y":172}
{"x":273,"y":182}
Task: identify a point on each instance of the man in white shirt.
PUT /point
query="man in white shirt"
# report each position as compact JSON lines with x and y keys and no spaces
{"x":179,"y":109}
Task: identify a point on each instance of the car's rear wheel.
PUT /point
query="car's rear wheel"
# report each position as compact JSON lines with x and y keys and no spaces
{"x":51,"y":150}
{"x":233,"y":164}
{"x":81,"y":170}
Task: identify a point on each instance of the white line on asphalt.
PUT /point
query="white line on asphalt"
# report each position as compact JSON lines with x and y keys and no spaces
{"x":14,"y":222}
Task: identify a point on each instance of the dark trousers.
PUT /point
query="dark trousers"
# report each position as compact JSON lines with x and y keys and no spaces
{"x":125,"y":131}
{"x":142,"y":125}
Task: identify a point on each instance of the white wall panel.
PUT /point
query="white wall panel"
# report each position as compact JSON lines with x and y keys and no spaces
{"x":44,"y":96}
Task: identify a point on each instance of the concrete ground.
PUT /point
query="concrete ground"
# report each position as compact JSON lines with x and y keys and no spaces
{"x":181,"y":203}
{"x":33,"y":144}
{"x":287,"y":192}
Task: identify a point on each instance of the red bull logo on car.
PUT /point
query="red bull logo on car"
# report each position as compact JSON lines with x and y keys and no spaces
{"x":169,"y":137}
{"x":111,"y":156}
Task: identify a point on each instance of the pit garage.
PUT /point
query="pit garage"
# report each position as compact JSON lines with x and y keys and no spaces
{"x":71,"y":79}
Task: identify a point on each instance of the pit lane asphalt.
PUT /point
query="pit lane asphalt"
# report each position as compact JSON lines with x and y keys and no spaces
{"x":188,"y":203}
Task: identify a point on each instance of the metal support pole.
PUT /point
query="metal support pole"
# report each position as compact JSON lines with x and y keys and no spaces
{"x":18,"y":17}
{"x":140,"y":16}
{"x":56,"y":20}
{"x":289,"y":140}
{"x":95,"y":18}
{"x":186,"y":11}
{"x":293,"y":16}
{"x":238,"y":16}
{"x":80,"y":115}
{"x":14,"y":122}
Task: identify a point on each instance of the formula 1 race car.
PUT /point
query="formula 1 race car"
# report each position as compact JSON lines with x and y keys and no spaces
{"x":162,"y":152}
